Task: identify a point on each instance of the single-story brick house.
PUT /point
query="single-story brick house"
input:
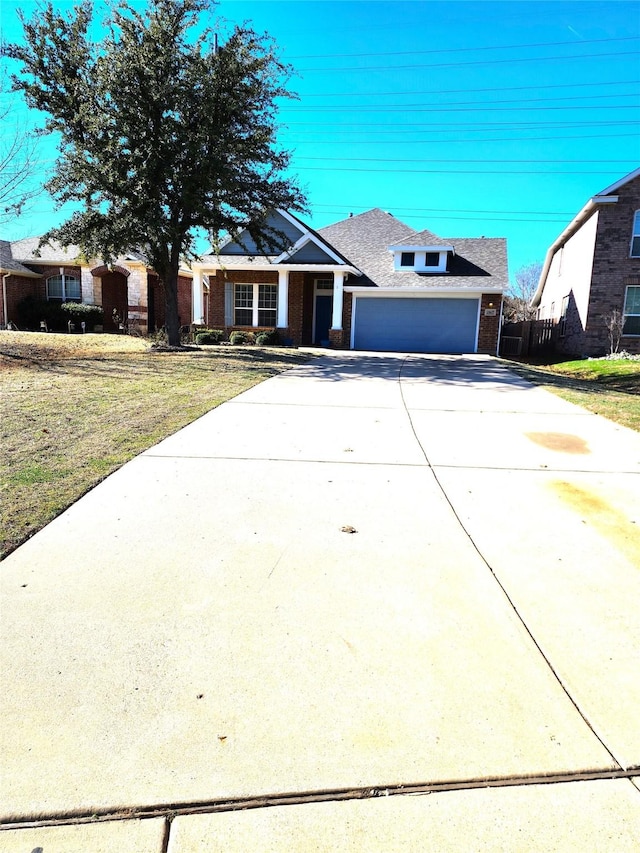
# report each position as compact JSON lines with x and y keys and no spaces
{"x":593,"y":269}
{"x":369,"y":282}
{"x":128,"y":287}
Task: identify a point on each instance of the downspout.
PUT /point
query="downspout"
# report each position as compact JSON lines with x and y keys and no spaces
{"x":500,"y":325}
{"x":4,"y":299}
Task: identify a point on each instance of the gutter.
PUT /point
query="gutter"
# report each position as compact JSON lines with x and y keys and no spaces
{"x":4,"y":299}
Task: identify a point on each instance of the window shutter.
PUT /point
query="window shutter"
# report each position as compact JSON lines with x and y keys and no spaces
{"x":228,"y":303}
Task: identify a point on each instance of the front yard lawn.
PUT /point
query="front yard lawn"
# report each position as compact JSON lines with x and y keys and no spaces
{"x":73,"y":408}
{"x":605,"y":386}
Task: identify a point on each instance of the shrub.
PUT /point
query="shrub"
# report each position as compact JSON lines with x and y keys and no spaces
{"x":211,"y":336}
{"x":32,"y":310}
{"x":270,"y":338}
{"x":239,"y":337}
{"x":78,"y":312}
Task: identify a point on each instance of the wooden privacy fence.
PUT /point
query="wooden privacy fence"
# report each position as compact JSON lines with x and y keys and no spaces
{"x":528,"y":338}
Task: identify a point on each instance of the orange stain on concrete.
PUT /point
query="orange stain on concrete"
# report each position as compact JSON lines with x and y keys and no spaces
{"x":559,"y":441}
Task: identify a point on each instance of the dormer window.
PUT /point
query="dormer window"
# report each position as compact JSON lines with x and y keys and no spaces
{"x":420,"y":259}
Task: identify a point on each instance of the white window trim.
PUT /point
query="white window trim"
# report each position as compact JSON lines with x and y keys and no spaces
{"x":635,"y":234}
{"x":420,"y":259}
{"x":624,"y":313}
{"x":64,"y":278}
{"x":255,"y":303}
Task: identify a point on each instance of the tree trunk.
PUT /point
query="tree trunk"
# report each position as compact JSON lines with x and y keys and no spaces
{"x":172,"y":320}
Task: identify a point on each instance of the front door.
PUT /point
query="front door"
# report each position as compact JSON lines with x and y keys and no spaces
{"x":323,"y":310}
{"x":114,"y":301}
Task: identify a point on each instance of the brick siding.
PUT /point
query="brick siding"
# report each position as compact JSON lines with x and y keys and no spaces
{"x":489,"y":325}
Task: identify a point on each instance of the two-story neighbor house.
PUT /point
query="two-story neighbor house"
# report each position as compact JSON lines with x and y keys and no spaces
{"x":369,"y":282}
{"x":592,"y":270}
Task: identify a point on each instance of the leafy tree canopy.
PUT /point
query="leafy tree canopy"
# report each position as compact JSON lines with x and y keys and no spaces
{"x":161,"y":133}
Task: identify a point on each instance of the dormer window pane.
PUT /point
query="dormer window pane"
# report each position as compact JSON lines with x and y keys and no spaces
{"x":432,"y":259}
{"x":408,"y":259}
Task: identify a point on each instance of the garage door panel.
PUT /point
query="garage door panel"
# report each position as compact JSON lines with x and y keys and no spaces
{"x":416,"y":325}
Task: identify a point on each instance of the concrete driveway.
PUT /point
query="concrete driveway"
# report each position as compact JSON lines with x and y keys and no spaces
{"x":394,"y":598}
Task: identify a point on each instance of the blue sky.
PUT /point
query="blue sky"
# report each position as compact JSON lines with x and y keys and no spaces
{"x":466,"y":118}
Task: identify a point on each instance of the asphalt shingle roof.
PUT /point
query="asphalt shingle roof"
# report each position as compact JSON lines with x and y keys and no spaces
{"x":365,"y":239}
{"x":9,"y":263}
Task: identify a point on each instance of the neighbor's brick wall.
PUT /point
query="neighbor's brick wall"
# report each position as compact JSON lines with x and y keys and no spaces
{"x":17,"y":287}
{"x":613,"y":269}
{"x":155,"y":295}
{"x":489,"y":326}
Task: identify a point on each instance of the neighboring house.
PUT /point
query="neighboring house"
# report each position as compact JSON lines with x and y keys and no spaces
{"x":51,"y":272}
{"x":593,"y":270}
{"x":369,"y":282}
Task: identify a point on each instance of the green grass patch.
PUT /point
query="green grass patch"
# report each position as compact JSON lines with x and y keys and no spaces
{"x":73,"y":409}
{"x":607,"y":387}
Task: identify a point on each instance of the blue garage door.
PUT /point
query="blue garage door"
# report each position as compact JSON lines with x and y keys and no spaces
{"x":416,"y":325}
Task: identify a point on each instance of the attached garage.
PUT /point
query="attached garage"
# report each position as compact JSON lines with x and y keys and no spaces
{"x":415,"y":324}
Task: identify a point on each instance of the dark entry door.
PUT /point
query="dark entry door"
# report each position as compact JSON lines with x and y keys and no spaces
{"x":114,"y":298}
{"x":324,"y":306}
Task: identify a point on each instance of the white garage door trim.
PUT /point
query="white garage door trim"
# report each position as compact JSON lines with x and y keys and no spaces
{"x":360,"y":298}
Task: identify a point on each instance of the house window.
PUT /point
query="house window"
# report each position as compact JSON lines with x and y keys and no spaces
{"x":635,"y":237}
{"x":563,"y":316}
{"x":65,"y":288}
{"x":267,"y":304}
{"x":255,"y":304}
{"x":407,"y":259}
{"x":631,"y":320}
{"x":432,"y":259}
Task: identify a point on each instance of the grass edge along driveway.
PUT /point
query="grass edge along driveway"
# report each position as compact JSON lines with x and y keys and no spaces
{"x":73,"y":409}
{"x":605,"y":386}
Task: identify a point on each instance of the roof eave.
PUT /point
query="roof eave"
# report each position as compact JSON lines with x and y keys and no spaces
{"x":576,"y":223}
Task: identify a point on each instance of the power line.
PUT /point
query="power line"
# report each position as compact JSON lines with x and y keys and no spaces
{"x":474,"y":141}
{"x":463,"y":49}
{"x":476,"y":104}
{"x":370,"y":68}
{"x":429,"y":108}
{"x":461,"y":218}
{"x":451,"y":210}
{"x":455,"y":171}
{"x":468,"y":91}
{"x":455,"y":160}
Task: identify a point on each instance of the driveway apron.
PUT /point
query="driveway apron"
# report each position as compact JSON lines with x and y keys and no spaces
{"x":372,"y":571}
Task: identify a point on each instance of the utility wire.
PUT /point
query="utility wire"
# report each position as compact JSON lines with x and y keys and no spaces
{"x":467,"y":91}
{"x":455,"y":160}
{"x":477,"y":104}
{"x":464,"y":49}
{"x":370,"y":68}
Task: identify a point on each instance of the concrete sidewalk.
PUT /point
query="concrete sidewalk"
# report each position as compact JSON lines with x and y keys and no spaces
{"x":370,"y":575}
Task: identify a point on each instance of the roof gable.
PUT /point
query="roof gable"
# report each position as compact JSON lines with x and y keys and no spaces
{"x":278,"y":222}
{"x":630,"y":177}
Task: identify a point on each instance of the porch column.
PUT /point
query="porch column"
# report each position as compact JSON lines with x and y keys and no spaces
{"x":283,"y":299}
{"x":338,"y":294}
{"x":197,"y":308}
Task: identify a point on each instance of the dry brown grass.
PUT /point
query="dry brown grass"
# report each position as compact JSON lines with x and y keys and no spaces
{"x":75,"y":408}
